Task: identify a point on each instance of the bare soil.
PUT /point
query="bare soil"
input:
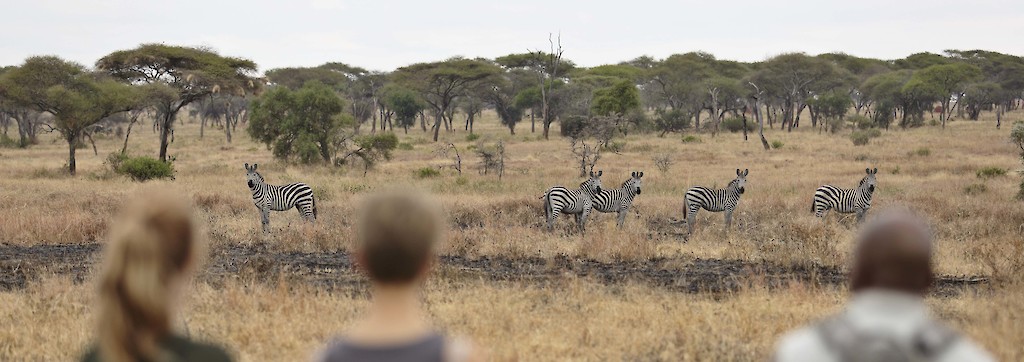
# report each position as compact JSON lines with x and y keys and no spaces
{"x":20,"y":265}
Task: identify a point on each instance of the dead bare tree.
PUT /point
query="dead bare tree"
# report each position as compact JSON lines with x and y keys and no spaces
{"x":757,"y":114}
{"x":547,"y":71}
{"x":445,"y":151}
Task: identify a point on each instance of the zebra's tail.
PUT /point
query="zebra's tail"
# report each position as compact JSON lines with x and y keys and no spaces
{"x":686,"y":206}
{"x":812,"y":205}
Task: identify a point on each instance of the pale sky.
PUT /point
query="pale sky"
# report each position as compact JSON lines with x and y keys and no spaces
{"x":383,"y":35}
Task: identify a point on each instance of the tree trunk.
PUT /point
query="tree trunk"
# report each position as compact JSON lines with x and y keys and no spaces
{"x":760,"y":122}
{"x":423,"y":121}
{"x":744,"y":124}
{"x":544,"y":116}
{"x":227,"y":127}
{"x":533,"y":124}
{"x":999,"y":115}
{"x":438,"y":119}
{"x":72,"y":140}
{"x":128,"y":133}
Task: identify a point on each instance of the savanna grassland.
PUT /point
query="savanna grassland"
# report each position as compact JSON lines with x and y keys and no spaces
{"x":263,"y":311}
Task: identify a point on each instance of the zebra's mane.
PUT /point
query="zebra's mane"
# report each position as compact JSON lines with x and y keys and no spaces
{"x":732,"y":183}
{"x":862,"y":181}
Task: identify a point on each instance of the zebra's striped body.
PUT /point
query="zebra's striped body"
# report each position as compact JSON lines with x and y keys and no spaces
{"x":714,"y":200}
{"x":560,"y":200}
{"x":619,"y":200}
{"x":268,"y":197}
{"x":846,"y":201}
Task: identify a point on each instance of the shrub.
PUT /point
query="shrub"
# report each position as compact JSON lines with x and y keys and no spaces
{"x":862,"y":137}
{"x":861,"y":122}
{"x":777,"y":144}
{"x":472,"y":137}
{"x":672,"y":121}
{"x":735,"y":124}
{"x":427,"y":172}
{"x":616,"y":146}
{"x":405,"y":146}
{"x":835,"y":125}
{"x":663,"y":162}
{"x":7,"y":142}
{"x":691,"y":139}
{"x":991,"y":172}
{"x":923,"y":152}
{"x":142,"y":168}
{"x":975,"y":189}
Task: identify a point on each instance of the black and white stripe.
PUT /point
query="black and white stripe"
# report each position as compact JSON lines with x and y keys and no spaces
{"x":619,"y":200}
{"x":268,"y":197}
{"x":560,"y":200}
{"x":714,"y":200}
{"x":846,"y":201}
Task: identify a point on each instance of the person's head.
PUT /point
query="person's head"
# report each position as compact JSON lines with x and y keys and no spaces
{"x":397,"y":235}
{"x":151,"y":252}
{"x":893,"y":252}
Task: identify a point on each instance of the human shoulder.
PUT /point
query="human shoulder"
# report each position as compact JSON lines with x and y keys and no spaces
{"x":965,"y":350}
{"x":197,"y":351}
{"x":804,"y":344}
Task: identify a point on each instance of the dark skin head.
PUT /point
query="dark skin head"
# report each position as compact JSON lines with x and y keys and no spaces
{"x":893,"y":252}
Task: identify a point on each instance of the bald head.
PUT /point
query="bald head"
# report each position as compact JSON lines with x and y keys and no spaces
{"x":893,"y":252}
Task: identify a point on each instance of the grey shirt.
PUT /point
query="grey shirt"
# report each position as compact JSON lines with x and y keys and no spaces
{"x":429,"y":348}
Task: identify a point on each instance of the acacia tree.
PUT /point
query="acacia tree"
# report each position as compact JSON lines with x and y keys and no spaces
{"x":792,"y":78}
{"x":26,"y":118}
{"x":76,"y":98}
{"x":193,"y":73}
{"x":304,"y":123}
{"x":548,"y":67}
{"x":440,"y":83}
{"x":405,"y":105}
{"x":949,"y":80}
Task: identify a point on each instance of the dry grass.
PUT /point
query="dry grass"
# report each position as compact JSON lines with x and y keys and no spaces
{"x":978,"y":234}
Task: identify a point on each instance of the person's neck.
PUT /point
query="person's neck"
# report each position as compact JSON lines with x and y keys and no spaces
{"x":393,"y":316}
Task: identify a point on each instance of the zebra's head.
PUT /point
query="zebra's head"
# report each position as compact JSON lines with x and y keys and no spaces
{"x":593,"y":184}
{"x":867,"y":183}
{"x":252,"y":177}
{"x":633,"y":184}
{"x":740,"y":183}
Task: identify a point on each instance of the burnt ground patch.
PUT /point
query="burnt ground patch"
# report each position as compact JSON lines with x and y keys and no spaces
{"x":19,"y":265}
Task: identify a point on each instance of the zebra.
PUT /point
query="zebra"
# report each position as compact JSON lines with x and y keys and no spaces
{"x":560,"y":200}
{"x":621,"y":199}
{"x":714,"y":200}
{"x":846,"y":201}
{"x":268,"y":197}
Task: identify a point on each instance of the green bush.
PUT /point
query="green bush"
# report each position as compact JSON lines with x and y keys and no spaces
{"x":735,"y":124}
{"x":142,"y":168}
{"x":862,"y":137}
{"x":691,"y":139}
{"x":975,"y":189}
{"x":405,"y":146}
{"x":861,"y":122}
{"x":922,"y":152}
{"x":991,"y":172}
{"x":472,"y":137}
{"x":427,"y":172}
{"x":7,"y":142}
{"x":776,"y":144}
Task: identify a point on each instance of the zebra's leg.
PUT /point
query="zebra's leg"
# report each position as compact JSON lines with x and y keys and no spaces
{"x":622,"y":218}
{"x":860,"y":215}
{"x":728,"y":219}
{"x":582,"y":221}
{"x":691,"y":217}
{"x":265,"y":220}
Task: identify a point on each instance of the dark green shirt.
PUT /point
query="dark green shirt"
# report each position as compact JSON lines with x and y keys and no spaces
{"x":180,"y":349}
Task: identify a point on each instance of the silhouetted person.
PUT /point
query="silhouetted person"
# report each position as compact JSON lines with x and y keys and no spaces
{"x":397,"y":235}
{"x":151,"y":254}
{"x":886,"y":319}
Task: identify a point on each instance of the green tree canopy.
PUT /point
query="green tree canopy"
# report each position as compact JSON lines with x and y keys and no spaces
{"x":405,"y":104}
{"x":303,"y":124}
{"x":76,"y":98}
{"x":193,"y":73}
{"x":440,"y":83}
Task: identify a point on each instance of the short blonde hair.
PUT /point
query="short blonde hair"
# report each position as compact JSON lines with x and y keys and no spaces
{"x":398,"y":234}
{"x":151,"y":244}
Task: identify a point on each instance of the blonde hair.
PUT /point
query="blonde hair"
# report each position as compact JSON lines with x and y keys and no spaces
{"x":151,"y":245}
{"x":397,"y":236}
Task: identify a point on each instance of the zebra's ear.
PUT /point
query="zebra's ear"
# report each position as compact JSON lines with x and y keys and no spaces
{"x":633,"y":174}
{"x":641,"y":174}
{"x":254,"y":166}
{"x":738,"y":172}
{"x":746,"y":172}
{"x":867,"y":170}
{"x":599,"y":173}
{"x":875,"y":171}
{"x":247,"y":166}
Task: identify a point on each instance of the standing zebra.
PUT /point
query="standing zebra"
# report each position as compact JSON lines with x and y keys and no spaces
{"x":621,"y":199}
{"x":560,"y":200}
{"x":846,"y":201}
{"x":714,"y":200}
{"x":268,"y":197}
